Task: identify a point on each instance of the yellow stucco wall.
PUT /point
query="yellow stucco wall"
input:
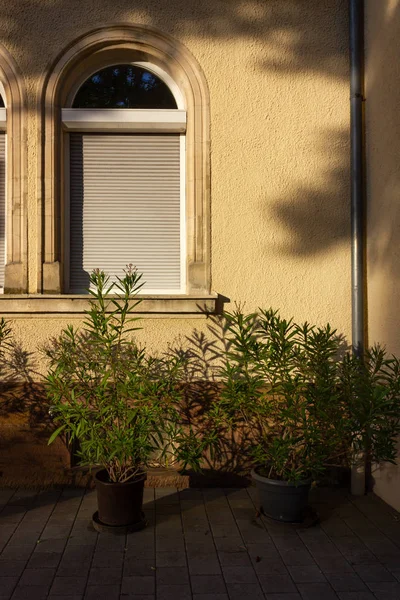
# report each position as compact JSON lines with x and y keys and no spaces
{"x":383,"y":182}
{"x":277,"y":72}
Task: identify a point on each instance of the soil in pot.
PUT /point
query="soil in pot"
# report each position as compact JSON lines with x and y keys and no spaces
{"x":119,"y":504}
{"x":280,"y":500}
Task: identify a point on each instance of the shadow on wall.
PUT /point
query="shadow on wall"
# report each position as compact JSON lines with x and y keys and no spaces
{"x":383,"y":193}
{"x":383,"y":147}
{"x":25,"y":426}
{"x":315,"y":219}
{"x":299,"y":34}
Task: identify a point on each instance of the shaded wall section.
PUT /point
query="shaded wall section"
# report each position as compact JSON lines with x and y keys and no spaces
{"x":383,"y":168}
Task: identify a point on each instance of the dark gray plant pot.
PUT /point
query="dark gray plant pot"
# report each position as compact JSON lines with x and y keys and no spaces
{"x":120,"y":504}
{"x":281,"y":500}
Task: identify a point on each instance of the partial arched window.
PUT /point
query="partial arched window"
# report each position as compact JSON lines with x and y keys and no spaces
{"x":3,"y":146}
{"x":125,"y":193}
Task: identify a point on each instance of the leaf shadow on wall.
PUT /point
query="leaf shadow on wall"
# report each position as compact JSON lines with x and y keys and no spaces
{"x":294,"y":35}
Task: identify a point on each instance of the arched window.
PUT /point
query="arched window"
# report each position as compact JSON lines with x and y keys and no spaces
{"x":126,"y":184}
{"x":126,"y":168}
{"x":3,"y":130}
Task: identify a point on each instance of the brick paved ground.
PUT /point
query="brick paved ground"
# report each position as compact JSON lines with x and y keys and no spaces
{"x":205,"y":545}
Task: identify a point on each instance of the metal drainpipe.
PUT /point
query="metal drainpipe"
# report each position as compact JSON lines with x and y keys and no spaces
{"x":356,"y":17}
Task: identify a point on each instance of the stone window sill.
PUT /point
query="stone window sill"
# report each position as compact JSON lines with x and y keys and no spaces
{"x":48,"y":305}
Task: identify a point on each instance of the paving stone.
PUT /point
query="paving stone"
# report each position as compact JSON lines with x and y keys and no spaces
{"x":204,"y":564}
{"x":7,"y":584}
{"x":230,"y":544}
{"x":10,"y":568}
{"x":170,"y":544}
{"x":268,"y":566}
{"x":30,"y":593}
{"x":170,"y":559}
{"x":49,"y":545}
{"x":207,"y":584}
{"x":173,"y":592}
{"x":104,"y":576}
{"x":316,"y":591}
{"x":276,"y":583}
{"x":297,"y":558}
{"x":73,"y":568}
{"x":355,"y":551}
{"x":347,"y":582}
{"x":294,"y":596}
{"x":111,"y":543}
{"x":382,"y":547}
{"x":137,"y":597}
{"x":334,"y":564}
{"x":385,"y":590}
{"x":37,"y":577}
{"x":287,"y":540}
{"x":73,"y":597}
{"x":210,"y":597}
{"x":166,"y":575}
{"x":396,"y":573}
{"x":12,"y":514}
{"x":391,"y":561}
{"x":200,"y":545}
{"x":6,"y":495}
{"x":138,"y":585}
{"x":234,"y":559}
{"x":239,"y":574}
{"x":137,"y":566}
{"x":44,"y":560}
{"x":78,"y":553}
{"x":370,"y":573}
{"x":68,"y":585}
{"x":102,"y":592}
{"x":17,"y":552}
{"x":223,"y":530}
{"x":308,"y":574}
{"x":356,"y":596}
{"x":336,"y":527}
{"x":244,"y":591}
{"x":107,"y":559}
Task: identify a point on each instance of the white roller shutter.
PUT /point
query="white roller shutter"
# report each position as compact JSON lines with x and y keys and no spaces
{"x":125,"y":207}
{"x":2,"y":207}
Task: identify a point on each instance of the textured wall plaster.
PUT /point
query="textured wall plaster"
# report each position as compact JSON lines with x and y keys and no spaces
{"x":383,"y":147}
{"x":278,"y":79}
{"x":277,"y":72}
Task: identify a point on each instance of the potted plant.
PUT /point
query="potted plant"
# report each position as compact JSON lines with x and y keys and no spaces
{"x":370,"y":387}
{"x":120,"y":403}
{"x":280,"y":384}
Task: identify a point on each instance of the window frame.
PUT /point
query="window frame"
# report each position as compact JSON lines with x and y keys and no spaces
{"x":117,"y":45}
{"x":3,"y":131}
{"x":125,"y":120}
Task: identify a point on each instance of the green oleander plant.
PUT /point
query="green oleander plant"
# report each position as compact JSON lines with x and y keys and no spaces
{"x":371,"y":392}
{"x":280,"y":383}
{"x":120,"y":403}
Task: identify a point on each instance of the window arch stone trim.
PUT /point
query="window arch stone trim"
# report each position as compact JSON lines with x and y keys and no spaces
{"x":15,"y":279}
{"x":99,"y":48}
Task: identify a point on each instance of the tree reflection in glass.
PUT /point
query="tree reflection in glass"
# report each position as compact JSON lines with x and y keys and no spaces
{"x":124,"y":86}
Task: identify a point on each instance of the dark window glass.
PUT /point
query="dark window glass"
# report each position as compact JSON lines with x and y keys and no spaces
{"x":124,"y":86}
{"x":1,"y":102}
